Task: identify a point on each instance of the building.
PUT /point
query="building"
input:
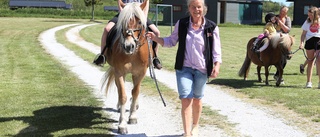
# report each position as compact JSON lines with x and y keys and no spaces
{"x":300,"y":10}
{"x":221,"y":11}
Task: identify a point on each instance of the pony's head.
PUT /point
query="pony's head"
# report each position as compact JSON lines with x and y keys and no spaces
{"x":131,"y":26}
{"x":285,"y":42}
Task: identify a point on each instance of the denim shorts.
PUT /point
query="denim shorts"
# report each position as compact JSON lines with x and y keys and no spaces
{"x":191,"y":83}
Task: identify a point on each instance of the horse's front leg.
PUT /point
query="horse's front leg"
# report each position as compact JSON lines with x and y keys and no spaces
{"x":122,"y":99}
{"x":259,"y":74}
{"x":280,"y":69}
{"x":135,"y":94}
{"x":266,"y":74}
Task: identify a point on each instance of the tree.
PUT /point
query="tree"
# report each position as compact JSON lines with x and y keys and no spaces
{"x":92,"y":3}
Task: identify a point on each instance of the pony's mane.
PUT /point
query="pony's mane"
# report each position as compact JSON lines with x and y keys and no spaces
{"x":130,"y":11}
{"x":282,"y":39}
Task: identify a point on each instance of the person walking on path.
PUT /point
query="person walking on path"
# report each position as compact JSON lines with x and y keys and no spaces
{"x":198,"y":57}
{"x":310,"y":40}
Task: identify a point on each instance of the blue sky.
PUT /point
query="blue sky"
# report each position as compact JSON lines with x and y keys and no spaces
{"x":282,"y":1}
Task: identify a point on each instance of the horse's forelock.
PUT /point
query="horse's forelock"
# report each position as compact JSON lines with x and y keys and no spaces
{"x":130,"y":11}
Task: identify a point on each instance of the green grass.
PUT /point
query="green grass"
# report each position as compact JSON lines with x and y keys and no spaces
{"x":39,"y":96}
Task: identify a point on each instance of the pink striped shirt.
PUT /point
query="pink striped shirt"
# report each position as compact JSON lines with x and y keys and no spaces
{"x":194,"y":57}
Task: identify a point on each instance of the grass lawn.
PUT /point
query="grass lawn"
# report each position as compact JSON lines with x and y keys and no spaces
{"x":39,"y":96}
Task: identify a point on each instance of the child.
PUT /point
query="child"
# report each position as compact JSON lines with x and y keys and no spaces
{"x":269,"y":29}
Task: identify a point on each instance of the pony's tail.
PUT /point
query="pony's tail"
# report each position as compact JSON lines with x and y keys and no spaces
{"x":245,"y":67}
{"x":108,"y":79}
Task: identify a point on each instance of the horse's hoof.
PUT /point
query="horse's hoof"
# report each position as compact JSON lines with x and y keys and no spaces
{"x":122,"y":130}
{"x":133,"y":121}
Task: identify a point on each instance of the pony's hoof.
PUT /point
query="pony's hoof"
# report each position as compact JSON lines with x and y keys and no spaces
{"x":133,"y":121}
{"x":122,"y":130}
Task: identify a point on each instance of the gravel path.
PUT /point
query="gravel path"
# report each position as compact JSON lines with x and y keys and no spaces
{"x":156,"y":120}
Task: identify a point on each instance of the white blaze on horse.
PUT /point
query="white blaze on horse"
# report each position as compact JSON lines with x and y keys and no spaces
{"x":129,"y":53}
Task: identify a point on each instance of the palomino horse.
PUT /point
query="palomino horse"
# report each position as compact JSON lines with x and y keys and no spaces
{"x":279,"y":49}
{"x":129,"y":53}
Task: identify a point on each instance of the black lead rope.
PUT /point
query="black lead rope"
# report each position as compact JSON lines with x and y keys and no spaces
{"x":152,"y":73}
{"x":295,"y":51}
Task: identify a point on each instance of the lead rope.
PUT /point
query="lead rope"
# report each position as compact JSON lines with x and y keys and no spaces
{"x":152,"y":73}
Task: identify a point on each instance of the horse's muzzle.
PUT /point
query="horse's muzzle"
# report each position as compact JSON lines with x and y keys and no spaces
{"x":289,"y":56}
{"x":128,"y":48}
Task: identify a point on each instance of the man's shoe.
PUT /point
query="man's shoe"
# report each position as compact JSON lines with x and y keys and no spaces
{"x":99,"y":60}
{"x":156,"y":63}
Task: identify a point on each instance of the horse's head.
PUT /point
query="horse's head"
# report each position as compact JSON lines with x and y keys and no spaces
{"x":131,"y":26}
{"x":285,"y":42}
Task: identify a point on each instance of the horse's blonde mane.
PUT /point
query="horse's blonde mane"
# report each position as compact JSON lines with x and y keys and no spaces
{"x":282,"y":39}
{"x":130,"y":11}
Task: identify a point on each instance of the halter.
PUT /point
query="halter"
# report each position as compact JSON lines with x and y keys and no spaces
{"x":130,"y":32}
{"x":285,"y":52}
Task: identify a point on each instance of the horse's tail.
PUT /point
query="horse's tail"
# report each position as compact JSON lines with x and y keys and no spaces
{"x":245,"y":67}
{"x":108,"y":78}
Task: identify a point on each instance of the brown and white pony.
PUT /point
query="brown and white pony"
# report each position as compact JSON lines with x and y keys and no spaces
{"x":128,"y":54}
{"x":279,"y":49}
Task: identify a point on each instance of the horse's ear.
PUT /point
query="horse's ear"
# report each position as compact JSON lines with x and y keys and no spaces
{"x":121,"y":4}
{"x":145,"y":7}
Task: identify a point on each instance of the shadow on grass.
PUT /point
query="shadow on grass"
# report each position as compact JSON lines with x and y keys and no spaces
{"x":49,"y":120}
{"x":234,"y":83}
{"x":254,"y":83}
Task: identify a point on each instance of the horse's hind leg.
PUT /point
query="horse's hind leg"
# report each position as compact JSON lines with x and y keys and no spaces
{"x":122,"y":128}
{"x":135,"y":94}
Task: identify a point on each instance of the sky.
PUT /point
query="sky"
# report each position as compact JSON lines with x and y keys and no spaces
{"x":283,"y":1}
